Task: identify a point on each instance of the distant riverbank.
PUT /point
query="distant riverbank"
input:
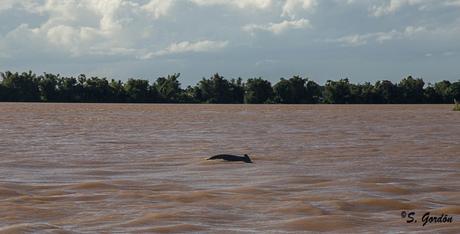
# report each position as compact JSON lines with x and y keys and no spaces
{"x":30,"y":87}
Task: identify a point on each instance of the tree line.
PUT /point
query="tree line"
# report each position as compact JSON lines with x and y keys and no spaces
{"x":29,"y":87}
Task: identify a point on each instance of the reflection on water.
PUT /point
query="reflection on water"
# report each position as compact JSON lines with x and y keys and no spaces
{"x":141,"y":168}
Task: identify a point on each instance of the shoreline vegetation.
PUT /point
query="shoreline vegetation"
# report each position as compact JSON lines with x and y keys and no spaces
{"x":30,"y":87}
{"x":457,"y":105}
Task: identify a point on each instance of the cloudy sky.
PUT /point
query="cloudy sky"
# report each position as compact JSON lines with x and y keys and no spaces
{"x":364,"y":40}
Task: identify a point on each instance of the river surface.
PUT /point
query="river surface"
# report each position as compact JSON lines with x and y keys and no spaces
{"x":92,"y":168}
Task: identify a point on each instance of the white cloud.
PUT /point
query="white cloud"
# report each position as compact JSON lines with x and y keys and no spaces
{"x":261,"y":4}
{"x":277,"y":28}
{"x":453,"y":3}
{"x":199,"y":46}
{"x":6,"y":4}
{"x":392,"y":6}
{"x":380,"y":37}
{"x":412,"y":30}
{"x":291,"y":7}
{"x":85,"y":27}
{"x":158,"y":8}
{"x":114,"y":32}
{"x":63,"y":35}
{"x":187,"y":46}
{"x":28,"y":5}
{"x":351,"y":40}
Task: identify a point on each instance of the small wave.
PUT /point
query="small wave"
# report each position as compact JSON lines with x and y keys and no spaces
{"x":298,"y":208}
{"x":374,"y":204}
{"x":448,"y":210}
{"x":388,"y":188}
{"x":33,"y":228}
{"x":190,"y":197}
{"x":179,"y":228}
{"x":96,"y":185}
{"x":5,"y":192}
{"x":153,"y":218}
{"x":325,"y":223}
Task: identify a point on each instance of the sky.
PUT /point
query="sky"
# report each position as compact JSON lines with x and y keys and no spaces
{"x":363,"y":40}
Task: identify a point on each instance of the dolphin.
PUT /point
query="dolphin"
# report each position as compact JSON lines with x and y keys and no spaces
{"x":229,"y":157}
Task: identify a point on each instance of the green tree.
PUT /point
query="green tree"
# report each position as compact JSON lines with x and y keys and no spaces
{"x":338,"y":92}
{"x":411,"y":90}
{"x":191,"y":95}
{"x":237,"y":88}
{"x":282,"y":91}
{"x":97,"y":90}
{"x":21,"y":87}
{"x":314,"y":92}
{"x":296,"y":90}
{"x":48,"y":86}
{"x":258,"y":91}
{"x":118,"y":91}
{"x":431,"y":96}
{"x":215,"y":90}
{"x":455,"y":91}
{"x":168,"y":88}
{"x":443,"y":89}
{"x":367,"y":94}
{"x":3,"y":93}
{"x":137,"y":90}
{"x":387,"y":92}
{"x":69,"y":90}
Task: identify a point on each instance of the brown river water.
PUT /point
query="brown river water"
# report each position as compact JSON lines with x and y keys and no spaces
{"x":110,"y":168}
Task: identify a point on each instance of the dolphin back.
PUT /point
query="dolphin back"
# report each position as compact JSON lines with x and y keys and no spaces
{"x":219,"y":156}
{"x":229,"y":157}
